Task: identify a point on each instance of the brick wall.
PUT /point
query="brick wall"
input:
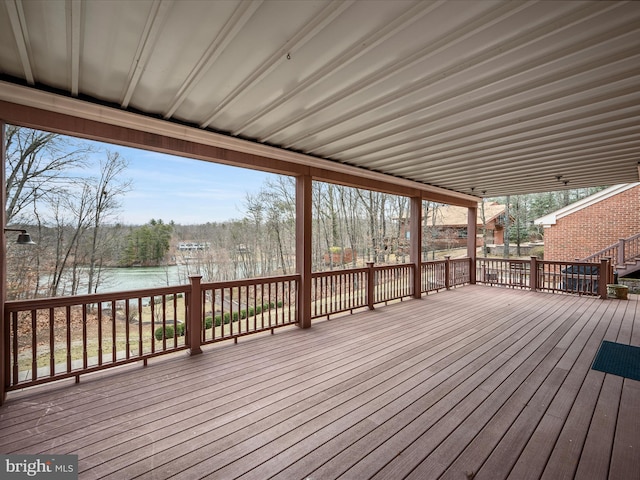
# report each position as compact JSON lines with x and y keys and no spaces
{"x":593,"y":228}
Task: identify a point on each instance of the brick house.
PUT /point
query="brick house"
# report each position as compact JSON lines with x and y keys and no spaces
{"x":446,"y":225}
{"x":592,"y":224}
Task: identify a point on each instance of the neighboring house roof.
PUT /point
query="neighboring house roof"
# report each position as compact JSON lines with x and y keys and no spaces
{"x":552,"y":218}
{"x":452,"y":216}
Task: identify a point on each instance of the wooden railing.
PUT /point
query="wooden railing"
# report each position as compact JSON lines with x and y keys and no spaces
{"x":625,"y":250}
{"x":55,"y":338}
{"x":631,"y":248}
{"x":243,"y":307}
{"x":338,"y":291}
{"x":444,"y":274}
{"x":503,"y":272}
{"x":459,"y":272}
{"x":61,"y":337}
{"x":391,"y":282}
{"x":434,"y":276}
{"x":569,"y":277}
{"x":583,"y":278}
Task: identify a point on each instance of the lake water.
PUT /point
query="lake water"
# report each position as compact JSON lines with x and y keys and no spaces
{"x":135,"y":278}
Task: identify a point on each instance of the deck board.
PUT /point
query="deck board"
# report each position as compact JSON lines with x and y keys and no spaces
{"x":505,"y":387}
{"x":447,"y":379}
{"x":570,"y":443}
{"x":482,"y":381}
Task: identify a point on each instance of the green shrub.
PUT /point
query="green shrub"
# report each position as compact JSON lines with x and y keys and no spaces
{"x":181,"y":329}
{"x":235,"y":316}
{"x":280,"y":303}
{"x":208,"y":322}
{"x":251,"y":312}
{"x":169,"y":331}
{"x":218,"y":320}
{"x":227,"y":318}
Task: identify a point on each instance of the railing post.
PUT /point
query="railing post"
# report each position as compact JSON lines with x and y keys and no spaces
{"x":447,"y":271}
{"x":472,"y":241}
{"x":621,"y":247}
{"x":4,"y":325}
{"x":304,"y":233}
{"x":472,"y":270}
{"x":533,"y":274}
{"x":604,"y":277}
{"x":371,"y":285}
{"x":194,"y":319}
{"x":5,"y":361}
{"x":415,"y":244}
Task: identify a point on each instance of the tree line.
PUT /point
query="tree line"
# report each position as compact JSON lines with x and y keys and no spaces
{"x":74,"y":215}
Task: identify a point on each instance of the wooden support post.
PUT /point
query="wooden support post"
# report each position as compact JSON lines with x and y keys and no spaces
{"x":447,"y":271}
{"x":371,"y":285}
{"x":533,"y":274}
{"x":415,"y":239}
{"x":5,"y":367}
{"x":195,"y":315}
{"x":472,"y":270}
{"x":603,"y":280}
{"x":304,"y":214}
{"x":472,"y":246}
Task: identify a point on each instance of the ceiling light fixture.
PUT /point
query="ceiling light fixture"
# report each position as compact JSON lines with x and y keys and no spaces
{"x":24,"y":238}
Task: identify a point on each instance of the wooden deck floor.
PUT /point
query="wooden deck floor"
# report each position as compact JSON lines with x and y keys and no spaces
{"x":477,"y":382}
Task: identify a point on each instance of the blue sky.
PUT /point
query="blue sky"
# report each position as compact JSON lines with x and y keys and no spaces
{"x":184,"y":190}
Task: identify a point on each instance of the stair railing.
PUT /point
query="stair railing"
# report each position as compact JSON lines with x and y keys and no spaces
{"x":626,"y":249}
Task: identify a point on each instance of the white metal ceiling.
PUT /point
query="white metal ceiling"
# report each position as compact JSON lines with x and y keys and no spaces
{"x":480,"y":97}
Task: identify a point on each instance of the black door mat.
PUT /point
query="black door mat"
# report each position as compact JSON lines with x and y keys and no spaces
{"x":618,"y":359}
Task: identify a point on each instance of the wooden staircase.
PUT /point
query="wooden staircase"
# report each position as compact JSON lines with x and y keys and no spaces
{"x":624,"y":255}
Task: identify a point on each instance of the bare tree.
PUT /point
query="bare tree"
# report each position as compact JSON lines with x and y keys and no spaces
{"x":255,"y":222}
{"x":401,"y":206}
{"x":349,"y":209}
{"x":369,"y":201}
{"x":327,"y":221}
{"x":431,"y":230}
{"x":36,"y":163}
{"x":71,"y":216}
{"x":106,"y":191}
{"x":281,"y":208}
{"x":48,"y":188}
{"x":485,"y":249}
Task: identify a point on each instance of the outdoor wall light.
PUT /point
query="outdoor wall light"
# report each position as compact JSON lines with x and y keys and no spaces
{"x":24,"y":238}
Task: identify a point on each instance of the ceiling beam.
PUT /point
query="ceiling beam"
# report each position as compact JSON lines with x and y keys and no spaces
{"x":241,"y":15}
{"x":357,"y":85}
{"x":470,"y":86}
{"x":74,"y":37}
{"x":148,"y":40}
{"x":42,"y":110}
{"x":21,"y":36}
{"x":282,"y":54}
{"x":346,"y":58}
